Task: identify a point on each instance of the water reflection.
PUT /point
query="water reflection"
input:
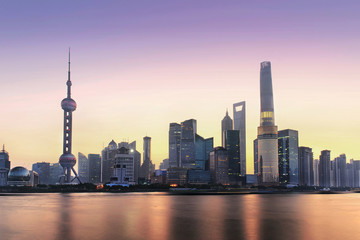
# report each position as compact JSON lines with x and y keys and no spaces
{"x":161,"y":216}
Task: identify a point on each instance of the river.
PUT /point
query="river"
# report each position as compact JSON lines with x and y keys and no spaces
{"x":158,"y":216}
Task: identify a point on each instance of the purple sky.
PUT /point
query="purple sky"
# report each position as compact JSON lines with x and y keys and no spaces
{"x":139,"y":65}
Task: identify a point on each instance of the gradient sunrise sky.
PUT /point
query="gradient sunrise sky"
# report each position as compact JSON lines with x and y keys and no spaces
{"x":139,"y":65}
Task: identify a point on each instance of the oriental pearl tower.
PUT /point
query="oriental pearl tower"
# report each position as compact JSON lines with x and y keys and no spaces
{"x":67,"y":160}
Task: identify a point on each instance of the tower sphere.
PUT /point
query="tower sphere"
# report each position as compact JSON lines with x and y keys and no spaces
{"x":67,"y":160}
{"x":68,"y":104}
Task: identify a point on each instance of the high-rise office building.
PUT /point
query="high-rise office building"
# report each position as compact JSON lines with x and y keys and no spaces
{"x":43,"y":170}
{"x":232,"y":145}
{"x":239,"y":111}
{"x":316,"y":172}
{"x":306,"y":166}
{"x":124,"y":167}
{"x":288,"y":147}
{"x":174,"y":144}
{"x":356,"y":166}
{"x":108,"y":161}
{"x":324,"y":168}
{"x":94,"y":168}
{"x":187,"y":144}
{"x":4,"y":166}
{"x":137,"y":157}
{"x":164,"y":165}
{"x":256,"y":159}
{"x":268,"y":169}
{"x":56,"y":171}
{"x":203,"y":148}
{"x":147,"y":168}
{"x":340,"y":171}
{"x":226,"y":124}
{"x":4,"y":159}
{"x":83,"y":167}
{"x":219,"y":166}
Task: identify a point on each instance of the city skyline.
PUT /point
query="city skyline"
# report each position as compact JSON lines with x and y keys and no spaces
{"x":135,"y":86}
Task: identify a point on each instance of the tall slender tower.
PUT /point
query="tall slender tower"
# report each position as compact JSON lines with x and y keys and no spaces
{"x":239,"y":111}
{"x":268,"y":170}
{"x":67,"y":160}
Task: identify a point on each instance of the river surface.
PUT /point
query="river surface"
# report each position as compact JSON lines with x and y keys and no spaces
{"x":157,"y":216}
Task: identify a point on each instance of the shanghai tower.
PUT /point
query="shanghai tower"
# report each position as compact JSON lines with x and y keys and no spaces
{"x":67,"y":160}
{"x":268,"y":171}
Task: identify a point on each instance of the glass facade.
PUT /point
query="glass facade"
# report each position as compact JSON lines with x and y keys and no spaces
{"x":174,"y":144}
{"x":187,"y":144}
{"x":83,"y":167}
{"x":306,"y":167}
{"x":232,"y":145}
{"x":288,"y":144}
{"x":240,"y":125}
{"x":219,"y":166}
{"x":324,"y":169}
{"x":202,"y":151}
{"x":267,"y":141}
{"x":94,"y":168}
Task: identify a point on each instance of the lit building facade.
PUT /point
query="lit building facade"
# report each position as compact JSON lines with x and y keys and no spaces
{"x":187,"y":144}
{"x":268,"y":169}
{"x":288,"y":150}
{"x":174,"y":144}
{"x":123,"y":167}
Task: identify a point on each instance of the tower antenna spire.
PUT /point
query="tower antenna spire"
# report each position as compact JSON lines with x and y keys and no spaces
{"x":68,"y":83}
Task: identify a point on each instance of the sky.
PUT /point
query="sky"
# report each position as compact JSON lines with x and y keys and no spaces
{"x":136,"y":66}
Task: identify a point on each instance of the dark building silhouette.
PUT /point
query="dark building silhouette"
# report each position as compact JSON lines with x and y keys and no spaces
{"x":83,"y":167}
{"x":306,"y":170}
{"x":232,"y":145}
{"x":94,"y":168}
{"x":203,"y":148}
{"x":219,"y":166}
{"x":226,"y":124}
{"x":324,"y":168}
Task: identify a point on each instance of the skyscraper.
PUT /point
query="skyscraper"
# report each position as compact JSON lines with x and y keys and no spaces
{"x":83,"y":167}
{"x":226,"y":124}
{"x":324,"y":169}
{"x":256,"y":159}
{"x":43,"y":169}
{"x":4,"y":166}
{"x":306,"y":176}
{"x":219,"y":166}
{"x":94,"y":168}
{"x":187,"y":144}
{"x":147,"y":166}
{"x":67,"y":160}
{"x":240,"y":125}
{"x":288,"y":144}
{"x":174,"y":144}
{"x":232,"y":145}
{"x":202,"y":151}
{"x":339,"y":177}
{"x":108,"y":161}
{"x":316,"y":172}
{"x":268,"y":169}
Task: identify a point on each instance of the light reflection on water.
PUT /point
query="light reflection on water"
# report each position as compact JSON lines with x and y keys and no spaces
{"x":157,"y":216}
